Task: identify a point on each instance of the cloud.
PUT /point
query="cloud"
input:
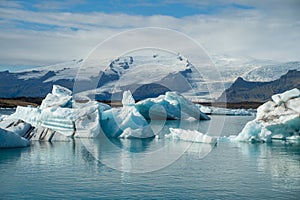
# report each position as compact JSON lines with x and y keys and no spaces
{"x":266,"y":31}
{"x":57,"y":5}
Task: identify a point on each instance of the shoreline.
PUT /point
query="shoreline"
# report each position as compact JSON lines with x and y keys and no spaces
{"x":36,"y":101}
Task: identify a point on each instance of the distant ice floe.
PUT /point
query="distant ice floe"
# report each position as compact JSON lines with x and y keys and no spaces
{"x":278,"y":118}
{"x":225,"y":111}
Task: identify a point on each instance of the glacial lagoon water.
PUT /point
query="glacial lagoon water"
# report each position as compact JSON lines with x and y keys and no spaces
{"x":79,"y":169}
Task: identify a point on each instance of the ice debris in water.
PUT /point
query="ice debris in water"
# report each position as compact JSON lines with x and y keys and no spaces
{"x":191,"y":136}
{"x":278,"y":118}
{"x":12,"y":133}
{"x":10,"y":139}
{"x":223,"y":111}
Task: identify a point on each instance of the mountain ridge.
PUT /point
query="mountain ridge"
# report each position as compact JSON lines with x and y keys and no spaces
{"x":249,"y":91}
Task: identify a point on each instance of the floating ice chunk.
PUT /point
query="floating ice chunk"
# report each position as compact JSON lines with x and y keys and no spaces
{"x":87,"y":120}
{"x":146,"y":132}
{"x":2,"y":117}
{"x":60,"y":97}
{"x":61,"y":91}
{"x":56,"y":101}
{"x":284,"y":97}
{"x":294,"y":104}
{"x":294,"y":137}
{"x":186,"y":106}
{"x":173,"y":104}
{"x":18,"y":127}
{"x":57,"y":119}
{"x":192,"y":136}
{"x":116,"y":120}
{"x":30,"y":115}
{"x":251,"y":133}
{"x":277,"y":119}
{"x":223,"y":111}
{"x":9,"y":139}
{"x":128,"y":100}
{"x":204,"y":109}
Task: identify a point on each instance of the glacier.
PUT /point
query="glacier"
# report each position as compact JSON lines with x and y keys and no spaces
{"x":278,"y":118}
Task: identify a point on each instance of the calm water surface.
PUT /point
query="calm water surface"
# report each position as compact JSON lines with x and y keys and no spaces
{"x":229,"y":171}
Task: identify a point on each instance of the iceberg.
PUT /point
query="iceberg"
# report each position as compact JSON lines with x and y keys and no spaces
{"x":45,"y":134}
{"x":284,"y":97}
{"x":125,"y":122}
{"x":2,"y":117}
{"x":191,"y":136}
{"x":60,"y":97}
{"x":171,"y":106}
{"x":58,"y":117}
{"x":87,"y":119}
{"x":278,"y":118}
{"x":18,"y":127}
{"x":12,"y":133}
{"x":55,"y":118}
{"x":10,"y":139}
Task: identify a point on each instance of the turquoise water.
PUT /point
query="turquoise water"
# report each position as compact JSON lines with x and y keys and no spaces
{"x":82,"y":170}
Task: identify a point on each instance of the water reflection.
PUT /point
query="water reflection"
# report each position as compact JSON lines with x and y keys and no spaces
{"x":12,"y":155}
{"x":141,"y":156}
{"x":280,"y":159}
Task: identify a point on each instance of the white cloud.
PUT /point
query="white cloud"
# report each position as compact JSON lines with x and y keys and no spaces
{"x":267,"y":32}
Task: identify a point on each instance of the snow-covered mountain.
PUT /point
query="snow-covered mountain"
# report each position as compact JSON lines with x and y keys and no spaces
{"x":270,"y":72}
{"x":146,"y":75}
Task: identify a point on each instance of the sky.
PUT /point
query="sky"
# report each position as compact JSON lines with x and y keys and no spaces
{"x":40,"y":32}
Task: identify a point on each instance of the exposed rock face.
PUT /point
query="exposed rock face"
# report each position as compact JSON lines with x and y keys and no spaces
{"x":245,"y":91}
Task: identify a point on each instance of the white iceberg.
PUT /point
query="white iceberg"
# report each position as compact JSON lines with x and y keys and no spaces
{"x":87,"y":119}
{"x":278,"y":118}
{"x":18,"y":127}
{"x":45,"y":134}
{"x":2,"y":117}
{"x":56,"y":118}
{"x":60,"y":97}
{"x":284,"y":97}
{"x":171,"y":106}
{"x":191,"y":136}
{"x":125,"y":122}
{"x":9,"y":139}
{"x":80,"y":120}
